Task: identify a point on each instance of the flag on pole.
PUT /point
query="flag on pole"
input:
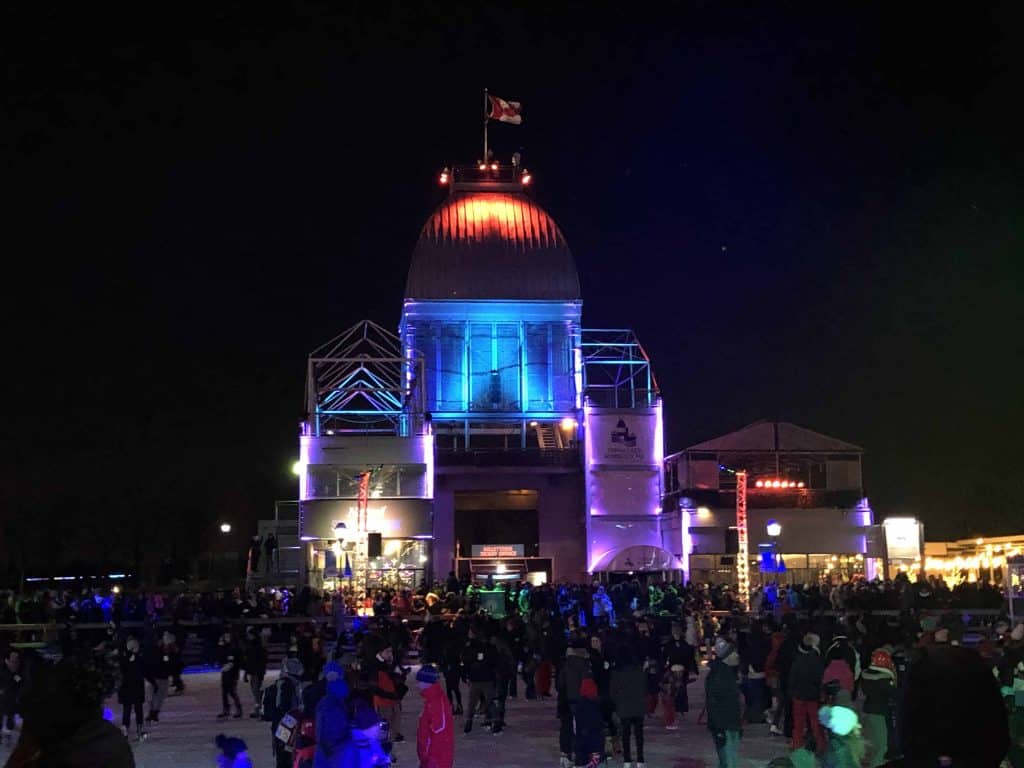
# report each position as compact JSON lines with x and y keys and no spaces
{"x":505,"y":111}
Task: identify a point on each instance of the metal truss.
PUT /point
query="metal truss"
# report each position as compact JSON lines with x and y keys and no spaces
{"x":361,"y":381}
{"x":616,"y":369}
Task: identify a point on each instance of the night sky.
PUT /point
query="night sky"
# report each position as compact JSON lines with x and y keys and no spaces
{"x":808,"y":214}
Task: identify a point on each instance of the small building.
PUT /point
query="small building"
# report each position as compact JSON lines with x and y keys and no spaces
{"x":806,"y":508}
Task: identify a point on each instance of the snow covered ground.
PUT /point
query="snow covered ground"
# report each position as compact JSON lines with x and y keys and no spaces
{"x":188,"y":724}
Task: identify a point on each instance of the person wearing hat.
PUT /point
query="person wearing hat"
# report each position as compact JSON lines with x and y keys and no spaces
{"x":805,"y":688}
{"x":878,"y":682}
{"x":278,"y":700}
{"x":435,"y":735}
{"x":363,"y":749}
{"x":332,"y":723}
{"x":722,"y":701}
{"x":845,"y":745}
{"x":233,"y":752}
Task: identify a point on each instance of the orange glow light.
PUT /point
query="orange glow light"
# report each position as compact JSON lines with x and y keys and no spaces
{"x":759,"y":483}
{"x":800,"y":485}
{"x":526,"y":178}
{"x":444,"y":178}
{"x":483,"y":166}
{"x":494,"y":166}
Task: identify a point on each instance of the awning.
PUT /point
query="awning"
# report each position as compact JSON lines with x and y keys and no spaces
{"x":641,"y":557}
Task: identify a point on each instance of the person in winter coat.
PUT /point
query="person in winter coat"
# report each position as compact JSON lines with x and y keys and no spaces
{"x":680,"y":660}
{"x":588,"y":742}
{"x":629,"y":697}
{"x":754,"y":659}
{"x":229,"y":657}
{"x":480,"y":668}
{"x":10,"y":689}
{"x":575,"y":669}
{"x":604,"y":612}
{"x":878,"y":682}
{"x":952,"y":712}
{"x":845,"y":745}
{"x":805,"y":689}
{"x":363,"y":749}
{"x":842,"y":649}
{"x":388,"y":690}
{"x":158,"y":667}
{"x":233,"y":752}
{"x":332,"y":722}
{"x":64,"y":724}
{"x":435,"y":734}
{"x":282,"y":697}
{"x":838,"y":671}
{"x":132,"y":692}
{"x":256,"y":668}
{"x":722,"y":700}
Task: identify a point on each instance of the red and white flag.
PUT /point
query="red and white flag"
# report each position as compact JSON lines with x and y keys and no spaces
{"x":505,"y":111}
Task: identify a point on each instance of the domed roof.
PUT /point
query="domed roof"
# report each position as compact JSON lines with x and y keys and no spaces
{"x":492,"y":245}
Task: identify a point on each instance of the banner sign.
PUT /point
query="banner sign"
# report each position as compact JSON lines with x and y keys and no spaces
{"x":498,"y":550}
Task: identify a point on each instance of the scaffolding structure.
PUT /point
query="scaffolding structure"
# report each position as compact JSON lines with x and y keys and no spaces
{"x":616,"y":371}
{"x":361,"y":381}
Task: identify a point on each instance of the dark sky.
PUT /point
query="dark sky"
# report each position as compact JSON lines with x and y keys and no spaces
{"x":812,"y":214}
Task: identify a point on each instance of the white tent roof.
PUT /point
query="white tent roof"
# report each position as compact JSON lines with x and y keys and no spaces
{"x":768,"y":436}
{"x":640,"y":557}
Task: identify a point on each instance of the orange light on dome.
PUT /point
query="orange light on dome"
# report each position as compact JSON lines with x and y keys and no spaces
{"x":494,"y":166}
{"x":483,"y":166}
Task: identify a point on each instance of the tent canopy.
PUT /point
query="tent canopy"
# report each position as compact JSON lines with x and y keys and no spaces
{"x":641,"y":557}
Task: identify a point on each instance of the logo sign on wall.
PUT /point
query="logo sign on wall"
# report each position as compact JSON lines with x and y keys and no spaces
{"x":623,"y":439}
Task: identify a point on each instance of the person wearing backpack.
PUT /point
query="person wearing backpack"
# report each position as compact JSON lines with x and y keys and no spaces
{"x":277,"y":702}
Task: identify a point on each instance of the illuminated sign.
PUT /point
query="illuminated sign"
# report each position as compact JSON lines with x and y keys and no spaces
{"x":498,"y":550}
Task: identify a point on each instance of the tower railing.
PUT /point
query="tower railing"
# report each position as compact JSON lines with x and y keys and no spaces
{"x":616,"y":371}
{"x":362,"y":381}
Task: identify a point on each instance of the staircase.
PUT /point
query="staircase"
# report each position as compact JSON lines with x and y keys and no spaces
{"x":549,"y":438}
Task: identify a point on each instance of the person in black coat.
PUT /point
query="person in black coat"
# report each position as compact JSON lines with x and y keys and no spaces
{"x":722,"y":700}
{"x":229,"y":656}
{"x":158,"y":668}
{"x":132,"y":692}
{"x":588,"y":740}
{"x":256,"y":668}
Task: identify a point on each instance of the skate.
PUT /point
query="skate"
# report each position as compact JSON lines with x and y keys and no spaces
{"x":469,"y":726}
{"x":124,"y":731}
{"x":223,"y":715}
{"x":141,"y":734}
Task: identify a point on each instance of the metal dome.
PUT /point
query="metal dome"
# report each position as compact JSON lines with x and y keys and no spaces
{"x":492,"y":245}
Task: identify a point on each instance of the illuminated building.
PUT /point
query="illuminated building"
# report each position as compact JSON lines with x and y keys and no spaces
{"x":500,"y":435}
{"x":806,"y":507}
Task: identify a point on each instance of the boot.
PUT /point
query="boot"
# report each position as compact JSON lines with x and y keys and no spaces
{"x":124,"y":731}
{"x":141,"y":733}
{"x":458,"y":710}
{"x":469,"y":725}
{"x":223,"y":715}
{"x":150,"y":718}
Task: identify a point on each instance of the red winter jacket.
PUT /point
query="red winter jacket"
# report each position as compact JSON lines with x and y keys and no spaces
{"x":435,"y":736}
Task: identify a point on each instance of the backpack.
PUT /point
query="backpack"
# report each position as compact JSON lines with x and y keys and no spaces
{"x":272,"y":704}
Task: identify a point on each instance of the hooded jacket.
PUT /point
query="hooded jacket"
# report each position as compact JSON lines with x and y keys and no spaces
{"x":722,"y":698}
{"x":879,"y":687}
{"x":841,"y":648}
{"x":629,"y":690}
{"x":435,"y":739}
{"x":577,"y":668}
{"x":332,"y":726}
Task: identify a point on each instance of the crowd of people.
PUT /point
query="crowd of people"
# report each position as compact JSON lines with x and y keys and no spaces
{"x":820,"y":672}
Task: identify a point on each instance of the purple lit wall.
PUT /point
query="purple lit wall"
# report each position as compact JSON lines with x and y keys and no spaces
{"x":623,"y":454}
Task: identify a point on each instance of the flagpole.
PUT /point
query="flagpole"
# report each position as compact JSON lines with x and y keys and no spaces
{"x":487,"y":117}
